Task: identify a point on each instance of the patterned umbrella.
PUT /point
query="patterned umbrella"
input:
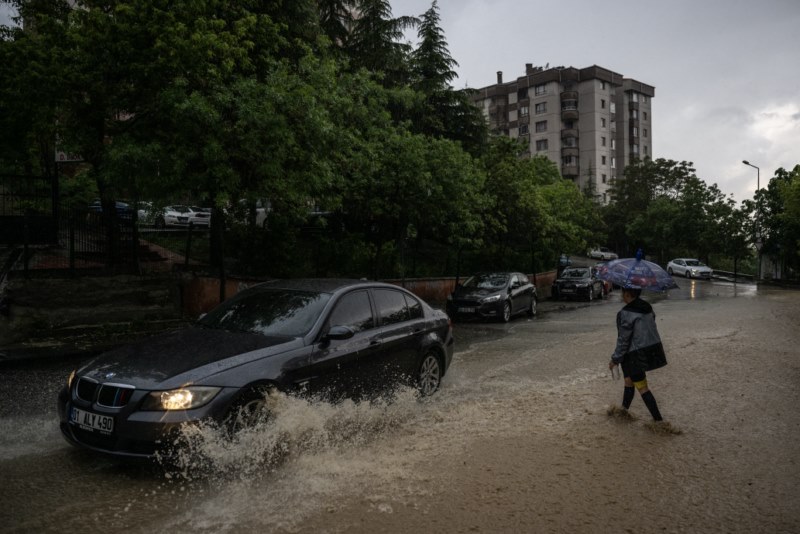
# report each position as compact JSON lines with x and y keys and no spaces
{"x":636,"y":273}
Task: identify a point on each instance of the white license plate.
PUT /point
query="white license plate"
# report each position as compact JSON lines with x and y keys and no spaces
{"x":92,"y":421}
{"x":568,"y":291}
{"x":466,"y":310}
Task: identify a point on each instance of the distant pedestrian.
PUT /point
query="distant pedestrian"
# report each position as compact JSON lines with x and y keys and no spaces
{"x":638,"y":350}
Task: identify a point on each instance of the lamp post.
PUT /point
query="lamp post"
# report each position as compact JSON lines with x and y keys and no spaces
{"x":759,"y":237}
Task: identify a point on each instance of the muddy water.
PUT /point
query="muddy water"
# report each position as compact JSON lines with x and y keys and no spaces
{"x":517,"y":440}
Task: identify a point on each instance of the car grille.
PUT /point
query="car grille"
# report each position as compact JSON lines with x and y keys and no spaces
{"x":108,"y":395}
{"x":466,"y":303}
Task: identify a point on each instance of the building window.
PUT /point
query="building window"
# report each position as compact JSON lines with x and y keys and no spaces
{"x":644,"y":115}
{"x":644,"y":148}
{"x":604,"y":178}
{"x":605,"y":198}
{"x":613,"y":143}
{"x":644,"y":132}
{"x":634,"y":96}
{"x":541,"y":145}
{"x":602,"y":85}
{"x":523,"y":111}
{"x":634,"y":113}
{"x":570,"y":160}
{"x":541,"y":107}
{"x":613,"y":162}
{"x":541,"y":126}
{"x":602,"y":141}
{"x":603,"y":160}
{"x":613,"y":108}
{"x":540,"y":89}
{"x":570,"y":142}
{"x":603,"y":103}
{"x":635,"y":131}
{"x":523,"y":129}
{"x":635,"y":148}
{"x":644,"y":99}
{"x":603,"y":122}
{"x":522,"y":93}
{"x":569,"y":104}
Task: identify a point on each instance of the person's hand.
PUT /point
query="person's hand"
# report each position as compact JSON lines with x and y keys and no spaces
{"x":612,"y":364}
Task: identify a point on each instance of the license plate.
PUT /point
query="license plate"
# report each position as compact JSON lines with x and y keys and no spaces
{"x":466,"y":310}
{"x":92,"y":421}
{"x":568,"y":291}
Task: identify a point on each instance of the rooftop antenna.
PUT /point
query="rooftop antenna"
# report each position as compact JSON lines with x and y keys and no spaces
{"x":546,"y":66}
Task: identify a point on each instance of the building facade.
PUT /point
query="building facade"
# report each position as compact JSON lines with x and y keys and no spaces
{"x":591,"y":122}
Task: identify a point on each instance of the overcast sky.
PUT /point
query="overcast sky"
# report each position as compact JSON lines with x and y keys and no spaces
{"x":726,"y":72}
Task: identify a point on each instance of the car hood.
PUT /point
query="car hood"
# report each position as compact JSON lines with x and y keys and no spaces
{"x":475,"y":293}
{"x":151,"y":362}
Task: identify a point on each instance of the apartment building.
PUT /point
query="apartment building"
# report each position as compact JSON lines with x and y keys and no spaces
{"x":591,"y":122}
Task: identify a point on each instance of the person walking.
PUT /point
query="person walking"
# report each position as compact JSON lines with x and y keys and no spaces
{"x":638,"y":349}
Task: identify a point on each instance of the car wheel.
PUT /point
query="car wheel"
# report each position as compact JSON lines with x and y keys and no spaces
{"x":532,"y":308}
{"x":687,"y":273}
{"x":160,"y":223}
{"x":669,"y":270}
{"x":249,"y":410}
{"x":430,"y":374}
{"x":506,"y":312}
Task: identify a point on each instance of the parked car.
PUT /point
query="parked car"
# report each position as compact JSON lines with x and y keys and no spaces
{"x":323,"y":338}
{"x":603,"y":253}
{"x":608,"y":287}
{"x":200,"y":216}
{"x":124,"y":210}
{"x":173,"y":216}
{"x":498,"y":295}
{"x":578,"y":282}
{"x":690,"y":268}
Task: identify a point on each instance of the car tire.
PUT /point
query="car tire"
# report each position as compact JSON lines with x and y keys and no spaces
{"x":687,"y":274}
{"x":532,"y":307}
{"x":506,"y":315}
{"x":429,"y":376}
{"x":248,"y":410}
{"x":669,"y":270}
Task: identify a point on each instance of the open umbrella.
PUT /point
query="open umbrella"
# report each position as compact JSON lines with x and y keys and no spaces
{"x":636,"y":273}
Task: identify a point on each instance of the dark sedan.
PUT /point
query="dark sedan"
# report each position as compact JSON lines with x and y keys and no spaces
{"x":578,"y":282}
{"x":498,"y":295}
{"x":323,"y":338}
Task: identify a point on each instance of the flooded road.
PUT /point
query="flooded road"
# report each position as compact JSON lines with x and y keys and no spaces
{"x":517,"y":440}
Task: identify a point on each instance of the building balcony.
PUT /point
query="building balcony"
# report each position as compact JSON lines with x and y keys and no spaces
{"x":569,"y":113}
{"x":633,"y":123}
{"x":569,"y":171}
{"x":570,"y":151}
{"x":633,"y":105}
{"x":569,"y":132}
{"x":569,"y":95}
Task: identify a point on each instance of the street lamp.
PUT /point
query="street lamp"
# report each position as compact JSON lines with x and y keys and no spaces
{"x":759,"y":237}
{"x":758,"y":174}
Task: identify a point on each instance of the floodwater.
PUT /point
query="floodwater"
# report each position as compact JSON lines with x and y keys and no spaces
{"x":517,"y":440}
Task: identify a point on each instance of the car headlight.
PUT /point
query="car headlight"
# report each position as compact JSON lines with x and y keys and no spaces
{"x":186,"y":398}
{"x":493,"y":298}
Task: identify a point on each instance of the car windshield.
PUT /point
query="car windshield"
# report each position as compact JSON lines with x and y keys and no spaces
{"x":270,"y":312}
{"x":695,"y":263}
{"x":179,"y":209}
{"x":575,"y":273}
{"x":488,"y":281}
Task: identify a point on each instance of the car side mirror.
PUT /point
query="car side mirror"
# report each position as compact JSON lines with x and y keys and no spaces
{"x":339,"y":332}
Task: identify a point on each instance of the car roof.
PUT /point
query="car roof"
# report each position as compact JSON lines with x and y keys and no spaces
{"x":322,"y":285}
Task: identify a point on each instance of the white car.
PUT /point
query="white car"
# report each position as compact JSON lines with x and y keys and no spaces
{"x":200,"y":216}
{"x":603,"y":253}
{"x":174,"y":216}
{"x":690,"y":268}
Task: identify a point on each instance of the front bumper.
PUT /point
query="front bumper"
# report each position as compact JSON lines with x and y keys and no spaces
{"x":471,"y":308}
{"x":136,"y":433}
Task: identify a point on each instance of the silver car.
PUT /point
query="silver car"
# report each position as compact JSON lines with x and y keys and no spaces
{"x":690,"y":268}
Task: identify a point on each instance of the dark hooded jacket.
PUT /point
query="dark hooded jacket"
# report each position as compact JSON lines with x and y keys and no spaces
{"x":639,"y":346}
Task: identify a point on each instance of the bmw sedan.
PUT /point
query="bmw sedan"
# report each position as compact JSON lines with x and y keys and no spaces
{"x":323,"y":338}
{"x":498,"y":295}
{"x":690,"y":268}
{"x":578,"y":282}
